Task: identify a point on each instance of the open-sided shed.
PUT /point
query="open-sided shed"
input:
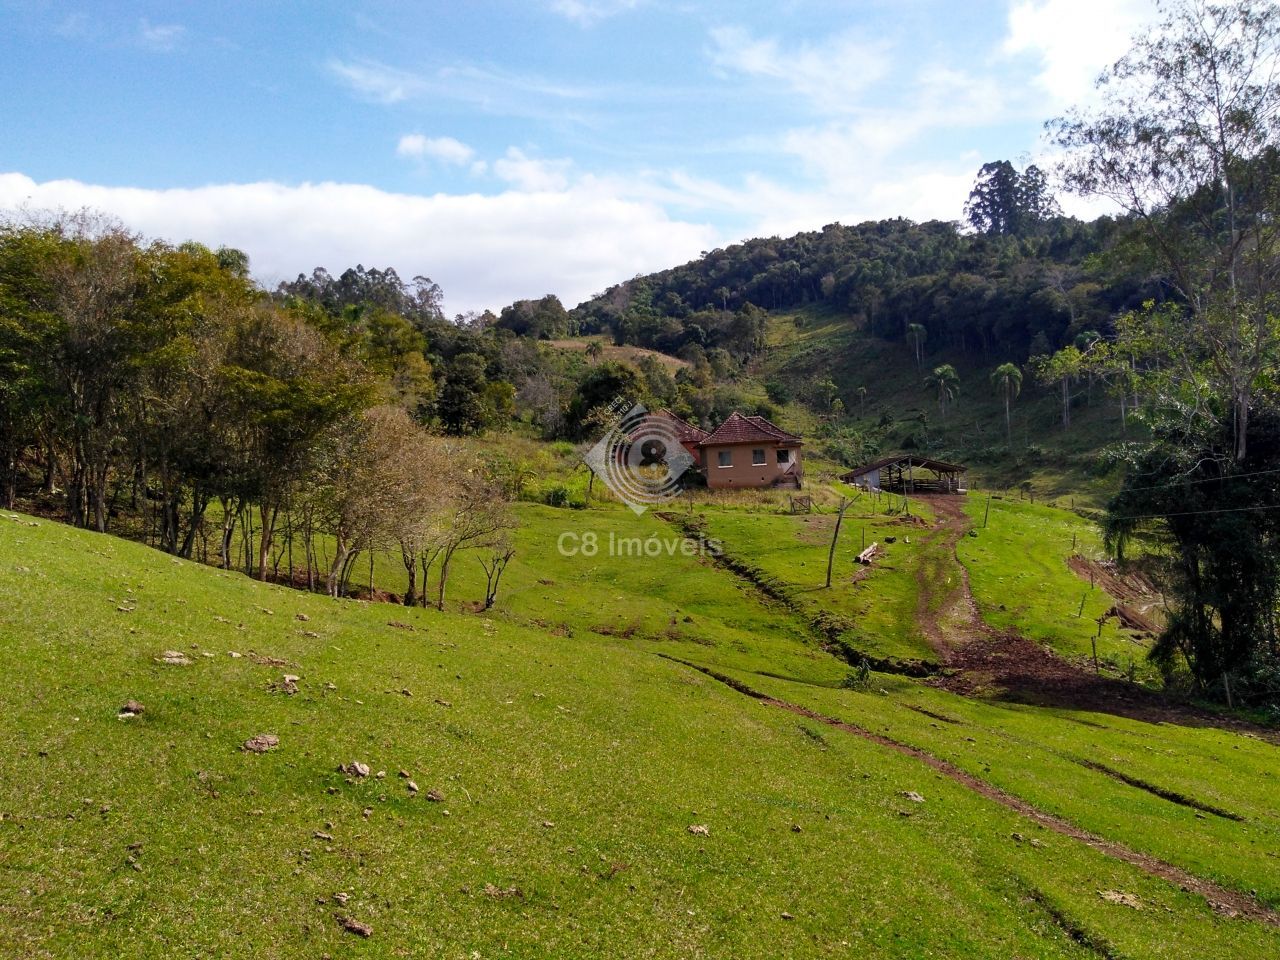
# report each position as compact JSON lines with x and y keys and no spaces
{"x":908,"y":473}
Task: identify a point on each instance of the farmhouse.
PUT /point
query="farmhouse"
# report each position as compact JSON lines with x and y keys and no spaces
{"x":750,"y":452}
{"x":908,"y":473}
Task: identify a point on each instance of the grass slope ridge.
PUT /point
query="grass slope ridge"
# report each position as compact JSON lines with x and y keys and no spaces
{"x":568,"y":771}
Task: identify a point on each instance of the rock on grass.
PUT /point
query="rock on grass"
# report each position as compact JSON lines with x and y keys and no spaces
{"x":352,"y":925}
{"x":261,"y":743}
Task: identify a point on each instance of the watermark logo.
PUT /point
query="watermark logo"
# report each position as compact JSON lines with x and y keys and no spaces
{"x":640,"y":457}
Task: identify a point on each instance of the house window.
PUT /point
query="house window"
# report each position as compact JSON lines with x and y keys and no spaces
{"x":784,"y":456}
{"x":725,"y":458}
{"x":757,"y":458}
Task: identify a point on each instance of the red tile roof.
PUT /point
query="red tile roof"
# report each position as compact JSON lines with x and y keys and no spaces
{"x":740,"y":429}
{"x":685,"y":430}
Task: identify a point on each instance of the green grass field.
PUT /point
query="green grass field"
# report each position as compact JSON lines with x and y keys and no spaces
{"x":570,"y":762}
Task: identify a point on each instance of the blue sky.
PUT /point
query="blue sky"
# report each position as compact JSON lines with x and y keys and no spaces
{"x":511,"y":149}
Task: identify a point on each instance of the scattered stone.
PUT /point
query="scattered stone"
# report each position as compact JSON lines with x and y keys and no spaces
{"x":912,"y":796}
{"x":265,"y":661}
{"x":311,"y":634}
{"x":351,"y":925}
{"x":548,"y":824}
{"x":405,"y":693}
{"x":498,"y":893}
{"x":288,"y":685}
{"x":301,"y":617}
{"x":355,"y":769}
{"x":411,"y":786}
{"x":234,"y":655}
{"x":699,"y":830}
{"x":321,"y":835}
{"x":1120,"y":898}
{"x":435,"y":796}
{"x":443,"y":703}
{"x":403,"y":774}
{"x":380,"y":775}
{"x":796,"y":828}
{"x":131,"y":708}
{"x":261,"y":743}
{"x":174,"y":658}
{"x":342,"y":898}
{"x":787,"y":916}
{"x":367,"y":812}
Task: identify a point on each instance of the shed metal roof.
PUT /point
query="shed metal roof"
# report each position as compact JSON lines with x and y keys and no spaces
{"x":928,"y":463}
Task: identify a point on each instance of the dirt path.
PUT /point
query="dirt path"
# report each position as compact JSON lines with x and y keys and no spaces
{"x":983,"y":660}
{"x":1227,"y":902}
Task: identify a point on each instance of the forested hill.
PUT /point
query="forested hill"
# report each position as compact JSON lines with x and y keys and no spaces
{"x":1003,"y":296}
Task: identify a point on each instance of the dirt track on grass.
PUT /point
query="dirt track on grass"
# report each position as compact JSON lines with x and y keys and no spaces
{"x":1224,"y":901}
{"x":984,"y":661}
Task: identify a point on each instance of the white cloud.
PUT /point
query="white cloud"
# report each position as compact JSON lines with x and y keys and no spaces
{"x":831,"y":76}
{"x":378,"y":82}
{"x":531,"y":174}
{"x":588,"y":12}
{"x":1074,"y":40}
{"x":160,"y":36}
{"x":485,"y":251}
{"x":445,"y":149}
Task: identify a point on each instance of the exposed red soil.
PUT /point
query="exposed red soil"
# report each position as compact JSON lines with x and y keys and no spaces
{"x":981,"y":660}
{"x":1134,"y":594}
{"x":1230,"y":903}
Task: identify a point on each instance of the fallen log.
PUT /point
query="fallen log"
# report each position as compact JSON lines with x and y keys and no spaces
{"x":867,"y":555}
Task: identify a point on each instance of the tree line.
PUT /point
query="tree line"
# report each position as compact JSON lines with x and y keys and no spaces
{"x":155,"y":389}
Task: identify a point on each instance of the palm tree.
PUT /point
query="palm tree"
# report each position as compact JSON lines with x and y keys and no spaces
{"x":946,"y":382}
{"x":918,"y":334}
{"x":594,"y":351}
{"x":1007,"y":378}
{"x":862,"y":402}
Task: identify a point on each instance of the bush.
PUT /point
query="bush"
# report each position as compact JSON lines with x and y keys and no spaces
{"x":778,"y":391}
{"x":859,"y":678}
{"x":557,"y":496}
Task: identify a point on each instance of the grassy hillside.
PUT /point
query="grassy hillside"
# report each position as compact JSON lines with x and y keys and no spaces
{"x":560,"y":763}
{"x":807,"y":345}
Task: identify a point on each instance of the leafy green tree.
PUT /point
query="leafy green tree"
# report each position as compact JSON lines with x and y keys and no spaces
{"x":1007,"y":378}
{"x":28,"y":338}
{"x":944,"y":382}
{"x":1004,"y":202}
{"x":1187,"y":141}
{"x":461,"y":406}
{"x":1061,"y":369}
{"x":600,"y":387}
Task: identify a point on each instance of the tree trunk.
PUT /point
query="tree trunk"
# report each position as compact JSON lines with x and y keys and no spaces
{"x":265,"y":536}
{"x":442,"y":580}
{"x":333,"y":582}
{"x":228,"y":532}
